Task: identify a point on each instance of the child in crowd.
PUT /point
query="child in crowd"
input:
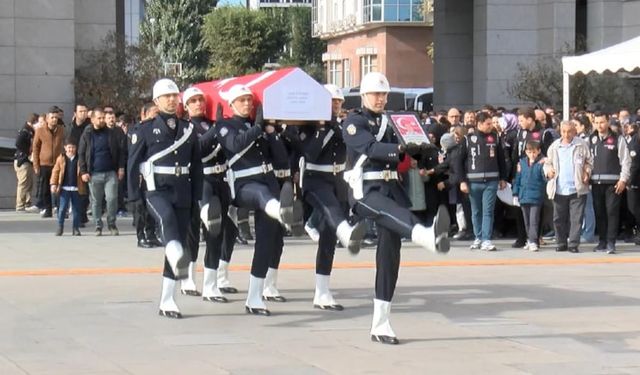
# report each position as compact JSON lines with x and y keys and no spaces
{"x":529,"y":189}
{"x":66,"y":181}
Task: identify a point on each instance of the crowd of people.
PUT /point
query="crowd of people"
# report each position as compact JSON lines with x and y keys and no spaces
{"x":349,"y":183}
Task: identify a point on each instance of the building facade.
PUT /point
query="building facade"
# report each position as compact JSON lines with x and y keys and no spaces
{"x":41,"y":44}
{"x":479,"y":44}
{"x":389,"y":36}
{"x":258,"y":4}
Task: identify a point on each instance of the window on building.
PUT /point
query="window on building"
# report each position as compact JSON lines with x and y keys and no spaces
{"x":335,"y":74}
{"x":403,"y":11}
{"x":368,"y":63}
{"x":346,"y":73}
{"x":372,"y":10}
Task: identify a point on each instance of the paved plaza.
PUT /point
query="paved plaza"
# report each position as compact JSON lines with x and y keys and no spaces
{"x":89,"y":305}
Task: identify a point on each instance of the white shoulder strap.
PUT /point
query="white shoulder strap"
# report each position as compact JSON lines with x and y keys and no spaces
{"x":383,"y":127}
{"x":173,"y":147}
{"x":240,"y":154}
{"x":212,"y":154}
{"x":327,"y":137}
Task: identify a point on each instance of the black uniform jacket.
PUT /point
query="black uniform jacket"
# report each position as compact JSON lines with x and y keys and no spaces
{"x":235,"y":134}
{"x":359,"y":132}
{"x":153,"y":136}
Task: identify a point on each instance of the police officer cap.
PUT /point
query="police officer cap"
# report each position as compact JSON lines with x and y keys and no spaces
{"x":374,"y":82}
{"x":335,"y":91}
{"x":235,"y":92}
{"x":190,"y":93}
{"x":164,"y":86}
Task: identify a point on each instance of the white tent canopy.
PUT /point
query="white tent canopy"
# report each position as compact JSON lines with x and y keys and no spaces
{"x":622,"y":56}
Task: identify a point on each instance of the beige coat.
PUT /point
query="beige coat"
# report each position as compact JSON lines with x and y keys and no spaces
{"x":582,"y":165}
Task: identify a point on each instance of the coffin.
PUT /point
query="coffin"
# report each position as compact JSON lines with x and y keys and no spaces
{"x":287,"y":95}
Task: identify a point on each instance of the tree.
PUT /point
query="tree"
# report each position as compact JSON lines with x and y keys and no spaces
{"x":173,"y":28}
{"x":540,"y":82}
{"x":241,"y":41}
{"x":304,"y":51}
{"x":117,"y":74}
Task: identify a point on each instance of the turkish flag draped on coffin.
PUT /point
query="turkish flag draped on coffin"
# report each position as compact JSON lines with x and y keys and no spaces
{"x":287,"y":94}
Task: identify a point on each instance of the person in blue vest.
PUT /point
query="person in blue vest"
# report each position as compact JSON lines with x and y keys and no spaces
{"x":373,"y":154}
{"x":165,"y":151}
{"x":609,"y":177}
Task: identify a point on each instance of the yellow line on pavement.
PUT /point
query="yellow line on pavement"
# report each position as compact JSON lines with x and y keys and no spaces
{"x":344,"y":265}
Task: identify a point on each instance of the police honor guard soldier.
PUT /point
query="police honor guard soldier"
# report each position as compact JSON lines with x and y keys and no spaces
{"x":250,"y":148}
{"x":324,"y":189}
{"x":166,"y":152}
{"x":215,"y":200}
{"x":373,"y":153}
{"x":611,"y":171}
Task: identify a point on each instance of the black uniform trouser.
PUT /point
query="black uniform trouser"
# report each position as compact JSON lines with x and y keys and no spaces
{"x":606,"y":205}
{"x":44,"y":191}
{"x":633,"y":202}
{"x":254,"y":196}
{"x":174,"y":223}
{"x":143,"y":221}
{"x":214,"y":187}
{"x":332,"y":212}
{"x":393,"y":222}
{"x":278,"y":244}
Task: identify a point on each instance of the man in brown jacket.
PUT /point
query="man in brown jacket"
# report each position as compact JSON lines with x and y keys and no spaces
{"x":47,"y":146}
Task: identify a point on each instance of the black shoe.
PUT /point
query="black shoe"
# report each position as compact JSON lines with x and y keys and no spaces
{"x":114,"y":230}
{"x":286,"y":203}
{"x":611,"y":248}
{"x":241,"y":241}
{"x":297,"y":226}
{"x":76,"y":232}
{"x":356,"y":238}
{"x":574,"y":250}
{"x":562,"y":248}
{"x":244,"y":230}
{"x":46,"y":214}
{"x":335,"y":307}
{"x":257,"y":311}
{"x":59,"y":231}
{"x":463,"y":236}
{"x":153,"y":240}
{"x":170,"y":314}
{"x":274,"y":298}
{"x":229,"y":290}
{"x":519,"y":244}
{"x":390,"y":340}
{"x":601,"y":246}
{"x":83,"y":225}
{"x":98,"y":232}
{"x":189,"y":292}
{"x":216,"y":299}
{"x":143,"y":243}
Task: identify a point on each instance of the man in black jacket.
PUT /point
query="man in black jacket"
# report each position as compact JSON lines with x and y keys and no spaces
{"x":23,"y":167}
{"x":102,"y":160}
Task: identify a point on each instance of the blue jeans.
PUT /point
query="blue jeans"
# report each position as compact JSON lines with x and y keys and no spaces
{"x":104,"y":185}
{"x":66,"y":198}
{"x":589,"y":223}
{"x":483,"y":200}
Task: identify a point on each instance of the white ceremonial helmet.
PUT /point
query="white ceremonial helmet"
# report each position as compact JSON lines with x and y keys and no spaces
{"x":164,"y":86}
{"x":335,"y":91}
{"x":374,"y":82}
{"x":235,"y":92}
{"x":190,"y":93}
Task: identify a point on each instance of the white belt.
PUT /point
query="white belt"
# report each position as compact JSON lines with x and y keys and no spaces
{"x":216,"y":169}
{"x":380,"y":175}
{"x":261,"y":169}
{"x":327,"y":168}
{"x":177,"y":170}
{"x":282,"y":173}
